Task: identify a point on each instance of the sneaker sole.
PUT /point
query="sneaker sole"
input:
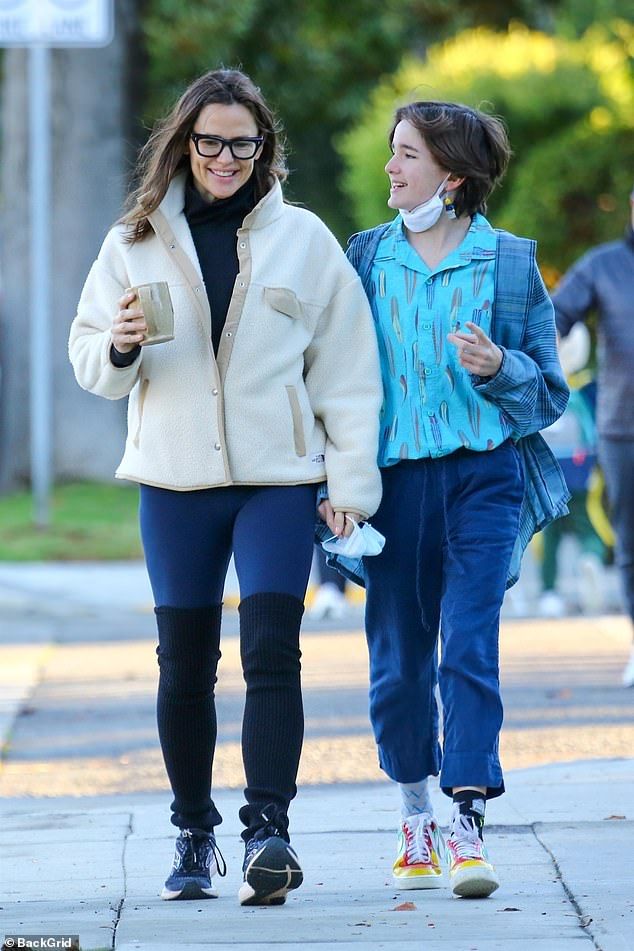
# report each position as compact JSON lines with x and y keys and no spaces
{"x":271,"y":876}
{"x":474,"y":883}
{"x":189,"y":892}
{"x":418,"y":882}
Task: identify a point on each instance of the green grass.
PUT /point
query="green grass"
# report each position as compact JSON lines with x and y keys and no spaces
{"x":89,"y":522}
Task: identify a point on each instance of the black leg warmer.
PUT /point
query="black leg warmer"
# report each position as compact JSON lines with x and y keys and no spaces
{"x":273,"y":724}
{"x":188,"y":655}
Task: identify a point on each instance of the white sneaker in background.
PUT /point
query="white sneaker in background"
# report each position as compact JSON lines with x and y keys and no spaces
{"x":628,"y":673}
{"x":590,"y":583}
{"x":552,"y":605}
{"x":329,"y":602}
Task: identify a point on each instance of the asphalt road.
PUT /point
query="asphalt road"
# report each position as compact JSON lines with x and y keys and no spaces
{"x":88,"y":726}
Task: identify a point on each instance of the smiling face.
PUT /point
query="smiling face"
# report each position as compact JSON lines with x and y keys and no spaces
{"x":414,"y":174}
{"x":222,"y":176}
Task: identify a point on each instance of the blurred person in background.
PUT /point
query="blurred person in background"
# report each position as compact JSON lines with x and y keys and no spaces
{"x":470,"y":375}
{"x":271,"y":385}
{"x":572,"y":439}
{"x":602,"y":282}
{"x":329,"y":601}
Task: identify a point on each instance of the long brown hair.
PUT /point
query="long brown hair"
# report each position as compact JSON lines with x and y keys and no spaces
{"x":464,"y":141}
{"x":165,"y":152}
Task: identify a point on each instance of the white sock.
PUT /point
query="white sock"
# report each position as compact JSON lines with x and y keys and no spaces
{"x":415,"y":799}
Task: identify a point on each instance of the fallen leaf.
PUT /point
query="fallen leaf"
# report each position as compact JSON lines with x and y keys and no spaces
{"x":510,"y":908}
{"x":614,"y":817}
{"x":585,"y":921}
{"x":405,"y":906}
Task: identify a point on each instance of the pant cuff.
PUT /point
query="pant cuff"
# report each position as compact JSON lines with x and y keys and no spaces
{"x":411,"y":770}
{"x":472,"y":769}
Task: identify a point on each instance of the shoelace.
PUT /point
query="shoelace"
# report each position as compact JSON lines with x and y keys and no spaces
{"x":417,"y":846}
{"x":204,"y":851}
{"x":465,"y":839}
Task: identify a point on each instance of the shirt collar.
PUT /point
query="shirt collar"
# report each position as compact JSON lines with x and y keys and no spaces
{"x":478,"y":244}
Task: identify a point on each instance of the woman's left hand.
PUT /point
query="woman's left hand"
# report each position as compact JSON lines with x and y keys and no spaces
{"x":476,"y":352}
{"x":339,"y":523}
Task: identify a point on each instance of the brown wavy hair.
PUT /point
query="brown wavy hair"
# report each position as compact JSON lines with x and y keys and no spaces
{"x":464,"y":141}
{"x":165,"y":152}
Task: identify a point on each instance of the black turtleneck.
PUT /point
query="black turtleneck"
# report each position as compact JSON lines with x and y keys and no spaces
{"x":214,"y":226}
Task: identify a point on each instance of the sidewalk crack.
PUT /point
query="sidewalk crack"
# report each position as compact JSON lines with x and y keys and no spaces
{"x":118,"y":910}
{"x":584,"y":923}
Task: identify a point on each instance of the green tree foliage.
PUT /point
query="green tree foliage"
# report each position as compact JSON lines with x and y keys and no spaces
{"x":569,"y":107}
{"x":316,"y":62}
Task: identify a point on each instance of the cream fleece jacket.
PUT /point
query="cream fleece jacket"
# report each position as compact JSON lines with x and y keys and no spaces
{"x":295,"y":392}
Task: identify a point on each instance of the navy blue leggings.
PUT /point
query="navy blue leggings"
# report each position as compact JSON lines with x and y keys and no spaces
{"x":188,"y":538}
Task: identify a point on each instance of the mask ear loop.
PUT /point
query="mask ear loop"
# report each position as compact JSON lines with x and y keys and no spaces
{"x":338,"y":538}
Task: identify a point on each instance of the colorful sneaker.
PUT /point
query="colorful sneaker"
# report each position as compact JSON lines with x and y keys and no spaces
{"x":422,"y":854}
{"x":197,"y":859}
{"x":470,"y":873}
{"x":271,"y":868}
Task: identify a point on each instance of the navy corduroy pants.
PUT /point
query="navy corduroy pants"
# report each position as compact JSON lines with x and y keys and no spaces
{"x":450,"y":526}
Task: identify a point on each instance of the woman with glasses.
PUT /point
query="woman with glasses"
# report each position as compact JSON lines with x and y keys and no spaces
{"x":471,"y":374}
{"x":270,"y":386}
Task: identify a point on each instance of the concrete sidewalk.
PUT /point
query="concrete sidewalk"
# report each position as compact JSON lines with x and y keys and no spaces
{"x":558,"y":839}
{"x":93,"y":865}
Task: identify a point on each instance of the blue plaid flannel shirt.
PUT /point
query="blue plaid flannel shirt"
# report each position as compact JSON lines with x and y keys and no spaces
{"x":529,"y":386}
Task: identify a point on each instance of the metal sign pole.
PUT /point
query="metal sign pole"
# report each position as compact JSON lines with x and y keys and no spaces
{"x":41,"y":25}
{"x":40,"y":157}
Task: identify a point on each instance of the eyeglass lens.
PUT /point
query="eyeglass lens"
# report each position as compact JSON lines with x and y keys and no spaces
{"x":211,"y":146}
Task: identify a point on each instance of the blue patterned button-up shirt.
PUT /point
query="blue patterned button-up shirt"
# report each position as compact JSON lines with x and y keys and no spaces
{"x":431,"y":407}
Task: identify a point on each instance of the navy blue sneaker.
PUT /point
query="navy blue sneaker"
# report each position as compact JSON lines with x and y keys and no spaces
{"x":271,"y":868}
{"x":196,"y":861}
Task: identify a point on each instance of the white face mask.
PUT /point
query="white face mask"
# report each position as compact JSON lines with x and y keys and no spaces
{"x":424,"y":216}
{"x":363,"y":540}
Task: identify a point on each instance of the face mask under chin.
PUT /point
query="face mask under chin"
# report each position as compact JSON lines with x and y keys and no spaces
{"x":425,"y":216}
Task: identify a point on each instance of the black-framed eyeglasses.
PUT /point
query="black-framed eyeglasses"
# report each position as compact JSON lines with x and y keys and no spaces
{"x":210,"y":146}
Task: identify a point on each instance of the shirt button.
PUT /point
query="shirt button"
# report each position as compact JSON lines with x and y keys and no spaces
{"x":430,"y":412}
{"x":428,"y":371}
{"x":218,"y":446}
{"x":426,"y":326}
{"x":197,"y":290}
{"x":241,"y":284}
{"x":429,"y":280}
{"x":229,"y":334}
{"x":214,"y":392}
{"x":172,"y":247}
{"x":243,"y":244}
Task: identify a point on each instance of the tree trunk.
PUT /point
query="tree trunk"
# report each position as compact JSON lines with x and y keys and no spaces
{"x":95,"y":95}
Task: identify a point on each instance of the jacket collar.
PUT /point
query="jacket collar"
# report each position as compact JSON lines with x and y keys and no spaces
{"x":267,"y":210}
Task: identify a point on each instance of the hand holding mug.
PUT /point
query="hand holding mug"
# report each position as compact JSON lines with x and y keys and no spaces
{"x":129,"y":326}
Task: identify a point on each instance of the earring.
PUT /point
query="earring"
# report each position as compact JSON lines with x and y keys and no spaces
{"x":450,"y":208}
